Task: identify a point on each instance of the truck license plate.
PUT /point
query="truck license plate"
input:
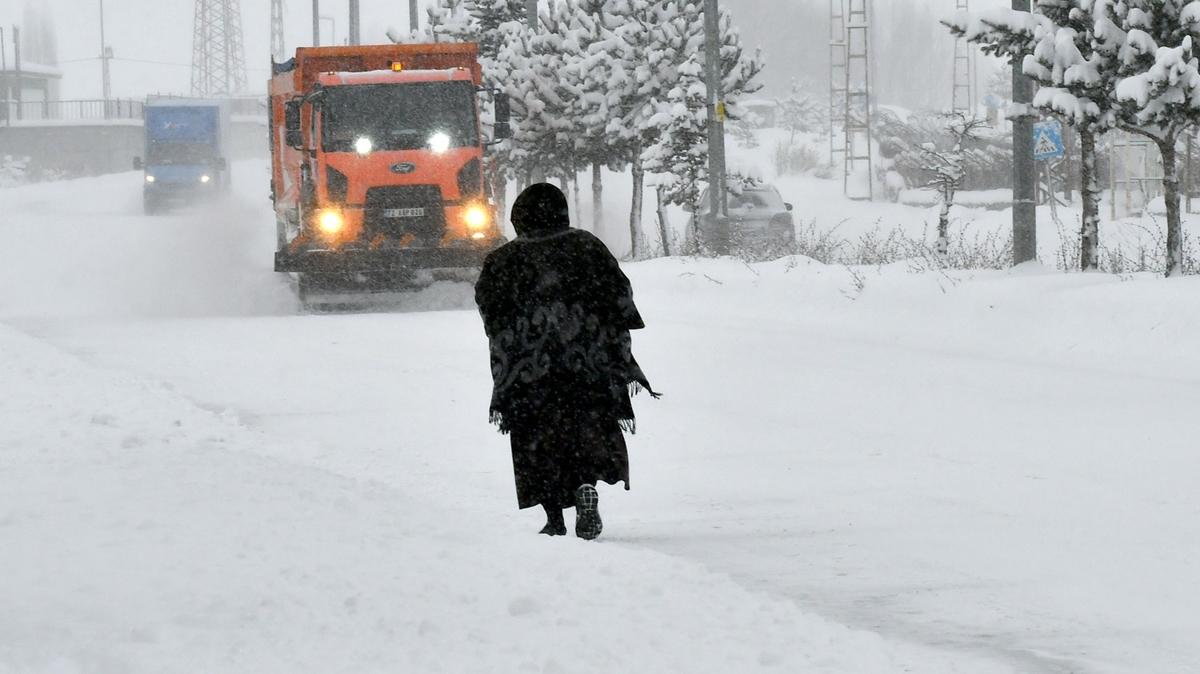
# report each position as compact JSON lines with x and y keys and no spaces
{"x":403,"y":212}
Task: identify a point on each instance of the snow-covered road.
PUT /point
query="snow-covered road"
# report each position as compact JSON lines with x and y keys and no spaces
{"x":994,"y":472}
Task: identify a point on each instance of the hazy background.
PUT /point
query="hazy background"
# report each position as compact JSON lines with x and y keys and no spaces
{"x":152,"y":40}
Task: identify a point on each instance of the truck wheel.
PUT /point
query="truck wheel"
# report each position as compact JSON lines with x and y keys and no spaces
{"x":150,"y":205}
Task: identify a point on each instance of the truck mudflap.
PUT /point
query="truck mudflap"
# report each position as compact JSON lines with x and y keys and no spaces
{"x":366,"y":261}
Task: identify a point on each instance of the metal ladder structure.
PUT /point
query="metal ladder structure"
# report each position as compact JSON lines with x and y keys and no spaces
{"x":964,"y":96}
{"x":278,"y":48}
{"x":859,"y":163}
{"x":837,"y":80}
{"x":218,"y":56}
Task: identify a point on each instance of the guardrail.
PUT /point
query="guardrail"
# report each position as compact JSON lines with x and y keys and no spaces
{"x":80,"y":110}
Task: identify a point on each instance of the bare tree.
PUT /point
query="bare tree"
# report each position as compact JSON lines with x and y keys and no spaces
{"x":949,"y":169}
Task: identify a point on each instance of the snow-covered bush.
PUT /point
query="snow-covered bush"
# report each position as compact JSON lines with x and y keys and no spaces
{"x":795,"y":159}
{"x":13,"y":170}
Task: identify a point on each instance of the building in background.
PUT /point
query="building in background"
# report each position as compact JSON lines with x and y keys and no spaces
{"x":29,"y":74}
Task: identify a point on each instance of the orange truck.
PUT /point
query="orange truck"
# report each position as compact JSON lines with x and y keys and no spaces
{"x":380,"y":169}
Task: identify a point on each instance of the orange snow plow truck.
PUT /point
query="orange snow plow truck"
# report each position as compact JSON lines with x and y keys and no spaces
{"x":380,"y":170}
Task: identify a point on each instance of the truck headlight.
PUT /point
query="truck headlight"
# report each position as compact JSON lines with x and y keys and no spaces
{"x":476,"y":217}
{"x":363,"y":146}
{"x":439,"y":142}
{"x":205,"y":178}
{"x":330,"y":221}
{"x":150,"y":179}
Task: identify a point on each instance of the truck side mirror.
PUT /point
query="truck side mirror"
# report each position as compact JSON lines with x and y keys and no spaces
{"x":291,"y":125}
{"x":137,"y":164}
{"x":503,"y":128}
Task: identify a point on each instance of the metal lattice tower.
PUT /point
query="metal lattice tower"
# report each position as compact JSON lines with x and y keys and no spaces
{"x":858,"y":159}
{"x":965,"y":95}
{"x":837,"y":79}
{"x":278,"y":49}
{"x":218,"y":58}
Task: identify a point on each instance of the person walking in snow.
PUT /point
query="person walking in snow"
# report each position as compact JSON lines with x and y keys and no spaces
{"x":557,"y":310}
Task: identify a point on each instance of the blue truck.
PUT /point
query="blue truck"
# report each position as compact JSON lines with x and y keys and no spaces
{"x":185,"y":155}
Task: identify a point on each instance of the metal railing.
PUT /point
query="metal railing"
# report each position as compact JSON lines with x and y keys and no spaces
{"x":81,"y":110}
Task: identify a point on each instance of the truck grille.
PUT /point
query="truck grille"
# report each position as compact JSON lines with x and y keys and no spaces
{"x":402,"y":210}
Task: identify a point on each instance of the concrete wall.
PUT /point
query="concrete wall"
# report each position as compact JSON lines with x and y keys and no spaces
{"x":83,"y":148}
{"x":79,"y":148}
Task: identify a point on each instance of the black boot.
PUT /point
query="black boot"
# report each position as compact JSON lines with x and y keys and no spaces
{"x":587,"y":513}
{"x":555,"y":524}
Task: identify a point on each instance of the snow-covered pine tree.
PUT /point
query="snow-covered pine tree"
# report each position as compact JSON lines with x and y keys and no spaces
{"x":800,"y":112}
{"x":679,"y":150}
{"x":590,"y":33}
{"x":489,"y":17}
{"x":674,"y":135}
{"x":1078,"y":82}
{"x":1154,"y":45}
{"x":451,"y":21}
{"x":627,"y":80}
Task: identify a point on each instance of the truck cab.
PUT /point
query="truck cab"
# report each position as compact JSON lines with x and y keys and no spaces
{"x":184,"y":152}
{"x":380,"y":165}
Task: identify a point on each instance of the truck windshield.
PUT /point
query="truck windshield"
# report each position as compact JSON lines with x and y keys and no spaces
{"x":180,"y":153}
{"x":399,"y":116}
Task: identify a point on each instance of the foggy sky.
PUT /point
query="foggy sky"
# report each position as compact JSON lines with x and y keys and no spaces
{"x":792,"y":34}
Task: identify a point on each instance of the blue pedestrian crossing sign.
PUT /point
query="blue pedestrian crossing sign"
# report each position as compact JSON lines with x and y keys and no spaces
{"x":1047,"y":140}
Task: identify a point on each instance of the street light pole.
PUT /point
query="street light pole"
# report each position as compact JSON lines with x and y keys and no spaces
{"x":531,"y":13}
{"x":412,"y":16}
{"x":716,"y":127}
{"x":1024,"y":168}
{"x":355,"y":36}
{"x":105,"y":55}
{"x":316,"y":23}
{"x":4,"y":86}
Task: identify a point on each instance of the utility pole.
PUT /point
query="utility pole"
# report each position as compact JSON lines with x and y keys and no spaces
{"x":355,"y":36}
{"x":105,"y":55}
{"x":413,"y":23}
{"x":316,"y":23}
{"x":716,"y":127}
{"x":531,"y":13}
{"x":1024,"y":170}
{"x":4,"y":82}
{"x":17,"y":70}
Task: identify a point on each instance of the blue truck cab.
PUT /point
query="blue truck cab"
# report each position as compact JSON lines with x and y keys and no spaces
{"x":185,"y":151}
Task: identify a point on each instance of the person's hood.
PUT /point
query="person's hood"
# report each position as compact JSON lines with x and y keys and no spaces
{"x":540,"y":210}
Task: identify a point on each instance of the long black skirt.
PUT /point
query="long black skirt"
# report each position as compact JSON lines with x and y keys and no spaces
{"x":562,"y":449}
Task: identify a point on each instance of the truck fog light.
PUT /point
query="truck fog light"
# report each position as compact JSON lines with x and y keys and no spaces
{"x":150,"y":179}
{"x":478,"y":236}
{"x":363,"y":146}
{"x":205,"y":178}
{"x":476,"y":217}
{"x":330,"y":221}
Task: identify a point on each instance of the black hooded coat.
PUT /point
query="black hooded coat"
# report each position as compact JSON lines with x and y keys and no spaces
{"x":557,"y":310}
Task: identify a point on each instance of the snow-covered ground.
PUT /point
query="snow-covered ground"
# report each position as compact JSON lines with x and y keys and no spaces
{"x":854,"y":470}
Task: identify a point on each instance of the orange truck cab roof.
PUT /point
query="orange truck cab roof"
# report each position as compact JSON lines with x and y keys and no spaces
{"x":390,"y":63}
{"x":393,"y":77}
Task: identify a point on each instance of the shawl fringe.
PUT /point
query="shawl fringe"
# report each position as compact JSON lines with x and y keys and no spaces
{"x":497,"y":419}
